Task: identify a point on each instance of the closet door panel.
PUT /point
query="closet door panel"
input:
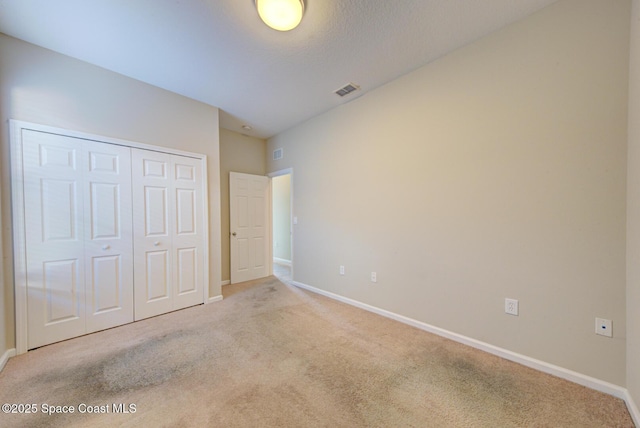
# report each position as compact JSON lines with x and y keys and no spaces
{"x":152,"y":217}
{"x":105,"y":286}
{"x":188,"y":250}
{"x":156,"y":284}
{"x":108,"y":236}
{"x":54,"y":197}
{"x":186,"y":266}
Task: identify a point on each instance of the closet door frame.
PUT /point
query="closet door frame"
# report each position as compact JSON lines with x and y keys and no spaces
{"x":16,"y":128}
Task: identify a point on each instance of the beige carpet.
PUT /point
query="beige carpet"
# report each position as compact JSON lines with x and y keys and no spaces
{"x":271,"y":355}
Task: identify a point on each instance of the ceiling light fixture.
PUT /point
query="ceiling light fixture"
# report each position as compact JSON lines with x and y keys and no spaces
{"x":281,"y":15}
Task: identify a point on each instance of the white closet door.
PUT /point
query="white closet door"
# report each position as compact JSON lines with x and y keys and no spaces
{"x":78,"y":236}
{"x":105,"y":234}
{"x":187,"y":233}
{"x":54,"y":194}
{"x":169,"y":241}
{"x":152,"y":218}
{"x":108,"y":234}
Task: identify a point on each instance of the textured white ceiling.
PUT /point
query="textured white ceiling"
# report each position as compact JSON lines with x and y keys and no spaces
{"x":219,"y":52}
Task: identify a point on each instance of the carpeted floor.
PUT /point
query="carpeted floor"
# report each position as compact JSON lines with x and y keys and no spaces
{"x":271,"y":355}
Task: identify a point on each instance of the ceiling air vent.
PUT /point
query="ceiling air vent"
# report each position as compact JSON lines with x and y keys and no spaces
{"x":347,"y":89}
{"x":277,"y":154}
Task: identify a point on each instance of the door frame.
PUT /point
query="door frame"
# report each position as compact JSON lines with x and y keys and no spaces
{"x":286,"y":171}
{"x":16,"y":127}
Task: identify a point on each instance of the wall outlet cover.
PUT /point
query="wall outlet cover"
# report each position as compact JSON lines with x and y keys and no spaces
{"x":511,"y":306}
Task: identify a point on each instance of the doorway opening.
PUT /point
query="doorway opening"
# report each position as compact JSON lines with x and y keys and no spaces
{"x":282,"y":224}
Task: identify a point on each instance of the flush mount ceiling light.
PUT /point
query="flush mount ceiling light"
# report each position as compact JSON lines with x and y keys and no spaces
{"x":281,"y":15}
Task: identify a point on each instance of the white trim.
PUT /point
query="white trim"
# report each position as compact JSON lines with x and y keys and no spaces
{"x":633,"y":408}
{"x":215,"y":299}
{"x":18,"y":211}
{"x":225,"y":282}
{"x":9,"y":353}
{"x":282,"y":261}
{"x":205,"y":230}
{"x":270,"y":223}
{"x":280,"y":172}
{"x":19,"y":235}
{"x":579,"y":378}
{"x":19,"y":124}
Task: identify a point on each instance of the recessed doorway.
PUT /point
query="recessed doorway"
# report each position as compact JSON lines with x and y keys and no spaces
{"x":282,"y":223}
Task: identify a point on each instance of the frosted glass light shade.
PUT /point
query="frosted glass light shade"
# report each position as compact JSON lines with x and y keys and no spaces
{"x":281,"y":15}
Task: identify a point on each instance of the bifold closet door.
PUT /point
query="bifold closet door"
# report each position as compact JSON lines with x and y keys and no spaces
{"x":168,"y":247}
{"x":78,"y":236}
{"x":108,"y":231}
{"x":54,"y":201}
{"x":188,"y":236}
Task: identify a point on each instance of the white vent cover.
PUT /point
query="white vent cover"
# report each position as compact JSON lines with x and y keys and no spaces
{"x":277,"y":154}
{"x":347,"y":89}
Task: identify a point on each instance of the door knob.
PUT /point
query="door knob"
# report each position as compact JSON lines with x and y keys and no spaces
{"x":234,"y":234}
{"x":156,"y":243}
{"x":106,"y":247}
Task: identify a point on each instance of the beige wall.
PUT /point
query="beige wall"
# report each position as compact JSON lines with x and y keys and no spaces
{"x":44,"y":87}
{"x":7,"y":327}
{"x":238,"y":153}
{"x":633,"y":212}
{"x":497,"y":171}
{"x":281,"y":216}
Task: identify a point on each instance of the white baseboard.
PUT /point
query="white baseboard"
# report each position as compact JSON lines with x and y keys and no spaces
{"x":283,"y":262}
{"x":214,"y":299}
{"x":5,"y":357}
{"x":633,"y":409}
{"x":579,"y":378}
{"x":223,"y":283}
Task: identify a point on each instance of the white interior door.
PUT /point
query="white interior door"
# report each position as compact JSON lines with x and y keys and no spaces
{"x":187,"y":233}
{"x":249,"y":226}
{"x":108,"y":232}
{"x":152,"y":217}
{"x":54,"y":195}
{"x":79,"y":240}
{"x":168,"y":229}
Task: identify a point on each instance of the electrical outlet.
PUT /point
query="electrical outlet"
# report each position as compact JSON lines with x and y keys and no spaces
{"x":511,"y":306}
{"x":604,"y":327}
{"x":341,"y":270}
{"x":374,"y":277}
